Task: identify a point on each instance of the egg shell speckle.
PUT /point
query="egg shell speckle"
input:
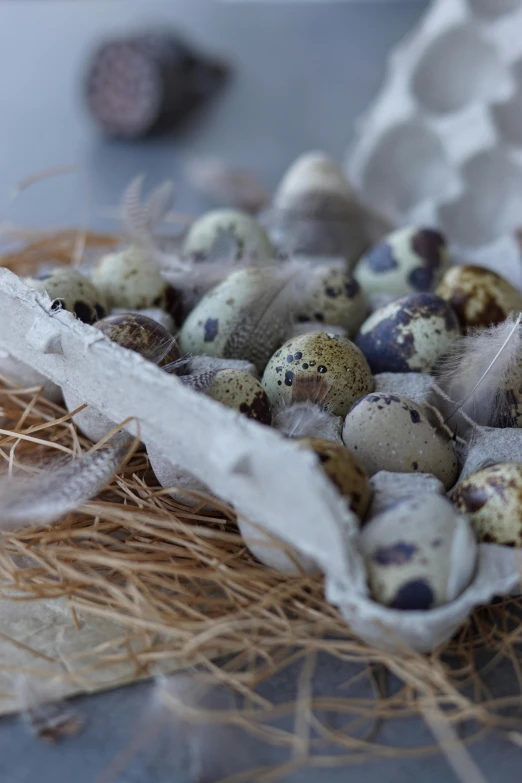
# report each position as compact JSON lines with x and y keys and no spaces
{"x":390,"y":432}
{"x":131,"y":279}
{"x":407,"y":260}
{"x":337,"y":298}
{"x":492,"y":500}
{"x":337,"y":360}
{"x":344,"y":470}
{"x":479,"y":296}
{"x":250,"y":236}
{"x":71,"y":291}
{"x":408,"y":335}
{"x":141,"y":334}
{"x":419,"y":554}
{"x":241,"y":391}
{"x":207,"y":328}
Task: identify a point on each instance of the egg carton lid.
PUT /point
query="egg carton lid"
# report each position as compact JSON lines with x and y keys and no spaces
{"x":441,"y":144}
{"x":251,"y":466}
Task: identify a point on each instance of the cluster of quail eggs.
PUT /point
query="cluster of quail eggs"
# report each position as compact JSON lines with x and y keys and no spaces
{"x":420,"y":553}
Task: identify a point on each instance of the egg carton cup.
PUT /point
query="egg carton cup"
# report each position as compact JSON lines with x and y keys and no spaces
{"x":441,"y":144}
{"x":270,"y":483}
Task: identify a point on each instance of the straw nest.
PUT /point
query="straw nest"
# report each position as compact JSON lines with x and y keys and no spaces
{"x":185,"y":581}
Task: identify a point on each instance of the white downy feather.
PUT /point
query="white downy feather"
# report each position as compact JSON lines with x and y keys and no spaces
{"x":43,"y":498}
{"x":478,"y":372}
{"x":307,"y":416}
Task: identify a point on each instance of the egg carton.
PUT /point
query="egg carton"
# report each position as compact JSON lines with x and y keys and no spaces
{"x":270,"y":483}
{"x":442,"y":143}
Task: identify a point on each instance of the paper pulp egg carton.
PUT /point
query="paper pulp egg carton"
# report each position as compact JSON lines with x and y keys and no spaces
{"x":442,"y":143}
{"x":269,"y":481}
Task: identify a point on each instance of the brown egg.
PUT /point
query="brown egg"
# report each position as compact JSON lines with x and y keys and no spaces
{"x":141,"y":334}
{"x":492,"y":500}
{"x":480,"y":297}
{"x":344,"y":470}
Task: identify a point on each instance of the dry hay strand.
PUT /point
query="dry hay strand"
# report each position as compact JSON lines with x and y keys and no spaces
{"x":184,"y":581}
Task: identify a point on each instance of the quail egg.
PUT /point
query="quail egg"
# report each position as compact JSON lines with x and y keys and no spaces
{"x":337,"y":360}
{"x":335,"y":298}
{"x":479,"y":296}
{"x":408,"y":335}
{"x":241,"y":391}
{"x":343,"y":469}
{"x":408,"y":260}
{"x":314,"y":210}
{"x":208,"y":327}
{"x":132,"y":280}
{"x":71,"y":291}
{"x":249,"y":236}
{"x":391,"y":432}
{"x":419,"y":554}
{"x":141,"y":334}
{"x":492,"y":500}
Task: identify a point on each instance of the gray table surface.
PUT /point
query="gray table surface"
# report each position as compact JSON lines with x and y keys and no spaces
{"x":303,"y":72}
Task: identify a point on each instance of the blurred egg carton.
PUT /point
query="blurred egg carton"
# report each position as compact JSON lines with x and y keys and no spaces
{"x":442,"y":143}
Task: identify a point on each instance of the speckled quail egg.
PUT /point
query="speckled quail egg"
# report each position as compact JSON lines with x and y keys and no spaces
{"x":335,"y":298}
{"x":208,"y":327}
{"x":71,"y":291}
{"x":344,"y":470}
{"x":408,"y":335}
{"x":390,"y":432}
{"x":132,"y":280}
{"x":419,"y":554}
{"x":141,"y":334}
{"x":337,"y":360}
{"x":492,"y":500}
{"x":407,"y":260}
{"x":249,"y":235}
{"x":314,"y":210}
{"x":241,"y":391}
{"x":479,"y":296}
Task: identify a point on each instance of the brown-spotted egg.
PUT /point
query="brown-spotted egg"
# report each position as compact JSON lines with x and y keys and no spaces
{"x":479,"y":296}
{"x":344,"y":470}
{"x":132,"y":280}
{"x":408,"y":335}
{"x":419,"y":554}
{"x":243,"y":392}
{"x":390,"y":432}
{"x":248,"y":234}
{"x":335,"y":298}
{"x":142,"y":335}
{"x":71,"y":291}
{"x":407,"y":260}
{"x":492,"y":500}
{"x":336,"y":359}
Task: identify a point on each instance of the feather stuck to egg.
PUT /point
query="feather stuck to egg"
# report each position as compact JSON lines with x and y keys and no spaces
{"x":71,"y":291}
{"x":419,"y":554}
{"x":242,"y":392}
{"x":335,"y":298}
{"x":408,"y":335}
{"x":334,"y":358}
{"x":131,"y":279}
{"x":492,"y":500}
{"x":406,"y":261}
{"x":248,"y":235}
{"x":344,"y":470}
{"x":479,"y":296}
{"x":142,"y":335}
{"x":390,"y":432}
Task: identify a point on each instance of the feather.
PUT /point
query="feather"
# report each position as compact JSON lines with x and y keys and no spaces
{"x":43,"y":709}
{"x":308,"y":416}
{"x":225,"y":184}
{"x":158,"y":205}
{"x":477,"y":378}
{"x":43,"y":498}
{"x":263,"y":323}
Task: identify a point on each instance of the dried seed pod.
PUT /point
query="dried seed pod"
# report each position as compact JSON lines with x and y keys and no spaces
{"x":145,"y":83}
{"x":141,"y":334}
{"x":71,"y":291}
